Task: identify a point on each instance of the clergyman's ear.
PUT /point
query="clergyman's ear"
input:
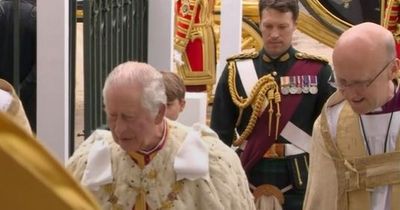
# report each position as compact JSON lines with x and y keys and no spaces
{"x":396,"y":69}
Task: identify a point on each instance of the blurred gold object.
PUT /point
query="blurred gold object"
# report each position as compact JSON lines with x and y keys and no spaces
{"x":31,"y":178}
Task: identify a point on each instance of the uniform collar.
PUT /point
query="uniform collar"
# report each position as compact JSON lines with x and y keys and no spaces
{"x":282,"y":58}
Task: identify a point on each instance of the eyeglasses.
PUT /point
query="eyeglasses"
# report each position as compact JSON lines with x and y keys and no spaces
{"x":360,"y":85}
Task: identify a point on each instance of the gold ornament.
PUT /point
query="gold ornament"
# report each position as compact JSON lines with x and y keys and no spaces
{"x":265,"y":91}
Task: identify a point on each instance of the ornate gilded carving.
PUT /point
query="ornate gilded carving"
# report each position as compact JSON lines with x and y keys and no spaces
{"x":391,"y":14}
{"x":194,"y":41}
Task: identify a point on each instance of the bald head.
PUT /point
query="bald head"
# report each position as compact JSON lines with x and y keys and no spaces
{"x":364,"y":61}
{"x":365,"y":41}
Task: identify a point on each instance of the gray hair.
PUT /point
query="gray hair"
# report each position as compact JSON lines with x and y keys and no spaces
{"x":144,"y":75}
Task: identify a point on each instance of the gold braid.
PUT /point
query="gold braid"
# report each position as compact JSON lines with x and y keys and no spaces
{"x":265,"y":91}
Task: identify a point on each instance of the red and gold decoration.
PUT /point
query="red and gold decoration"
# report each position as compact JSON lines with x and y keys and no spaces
{"x":195,"y":44}
{"x":391,"y":20}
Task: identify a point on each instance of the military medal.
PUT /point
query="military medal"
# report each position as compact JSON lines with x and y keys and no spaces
{"x":293,"y":87}
{"x":298,"y":84}
{"x":306,"y":83}
{"x":313,"y":84}
{"x":285,"y":85}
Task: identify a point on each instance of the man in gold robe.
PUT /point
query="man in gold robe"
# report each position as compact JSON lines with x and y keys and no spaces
{"x":355,"y":152}
{"x":148,"y":162}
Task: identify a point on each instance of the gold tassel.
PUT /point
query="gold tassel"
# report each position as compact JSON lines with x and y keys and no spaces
{"x":239,"y":118}
{"x":271,"y":110}
{"x":140,"y":200}
{"x":278,"y":112}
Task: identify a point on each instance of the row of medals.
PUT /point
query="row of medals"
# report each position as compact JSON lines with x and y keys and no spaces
{"x":300,"y":84}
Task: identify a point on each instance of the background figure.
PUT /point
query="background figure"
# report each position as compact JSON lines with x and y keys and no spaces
{"x":370,"y":10}
{"x":195,"y":44}
{"x":148,"y":162}
{"x":11,"y":104}
{"x":355,"y":148}
{"x":271,"y":98}
{"x":175,"y":91}
{"x":391,"y":20}
{"x":27,"y":85}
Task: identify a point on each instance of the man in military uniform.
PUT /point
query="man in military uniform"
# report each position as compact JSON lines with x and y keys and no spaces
{"x":271,"y":99}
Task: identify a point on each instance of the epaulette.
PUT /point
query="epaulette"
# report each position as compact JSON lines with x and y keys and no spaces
{"x":245,"y":54}
{"x":302,"y":55}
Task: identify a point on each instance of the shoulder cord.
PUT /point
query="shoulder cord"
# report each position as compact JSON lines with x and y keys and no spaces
{"x":265,"y":90}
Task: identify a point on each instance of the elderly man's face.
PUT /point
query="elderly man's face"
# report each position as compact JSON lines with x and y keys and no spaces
{"x":364,"y":81}
{"x":131,"y":125}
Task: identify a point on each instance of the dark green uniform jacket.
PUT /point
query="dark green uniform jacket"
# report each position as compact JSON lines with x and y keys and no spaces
{"x":305,"y":108}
